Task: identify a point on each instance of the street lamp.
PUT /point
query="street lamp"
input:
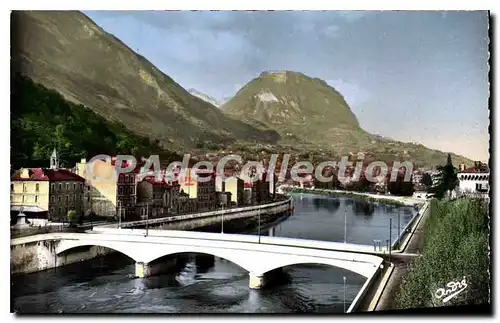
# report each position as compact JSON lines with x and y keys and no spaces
{"x":399,"y":228}
{"x":147,"y":218}
{"x":259,"y":223}
{"x":345,"y":225}
{"x":119,"y":214}
{"x":344,"y":291}
{"x":222,"y":228}
{"x":390,"y":238}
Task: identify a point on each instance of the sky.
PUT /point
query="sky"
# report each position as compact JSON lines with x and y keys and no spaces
{"x":410,"y":76}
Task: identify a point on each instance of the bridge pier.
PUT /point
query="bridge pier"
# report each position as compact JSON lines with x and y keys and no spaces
{"x":256,"y":281}
{"x":143,"y":270}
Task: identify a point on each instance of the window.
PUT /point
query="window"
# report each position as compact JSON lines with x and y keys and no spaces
{"x":52,"y":198}
{"x":37,"y":187}
{"x":60,"y":210}
{"x":67,"y":199}
{"x":59,"y":199}
{"x":23,"y":198}
{"x":12,"y":187}
{"x":25,"y":187}
{"x":36,"y":198}
{"x":60,"y":187}
{"x":52,"y":210}
{"x":74,"y":186}
{"x":67,"y":186}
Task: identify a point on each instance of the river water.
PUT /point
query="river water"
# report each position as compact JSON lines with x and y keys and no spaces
{"x":204,"y":284}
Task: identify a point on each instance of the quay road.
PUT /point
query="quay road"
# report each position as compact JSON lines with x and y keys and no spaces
{"x":381,"y":295}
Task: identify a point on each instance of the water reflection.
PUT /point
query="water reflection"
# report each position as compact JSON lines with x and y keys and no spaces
{"x":361,"y":207}
{"x":331,"y":205}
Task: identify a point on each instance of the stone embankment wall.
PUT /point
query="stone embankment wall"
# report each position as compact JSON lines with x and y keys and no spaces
{"x":41,"y":255}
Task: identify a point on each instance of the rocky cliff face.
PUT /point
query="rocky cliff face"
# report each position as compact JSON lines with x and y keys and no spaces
{"x":204,"y":97}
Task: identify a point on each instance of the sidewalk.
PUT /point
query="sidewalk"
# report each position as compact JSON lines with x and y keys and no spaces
{"x":415,"y":245}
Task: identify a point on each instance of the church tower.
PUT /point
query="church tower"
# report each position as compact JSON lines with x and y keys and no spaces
{"x":54,"y":160}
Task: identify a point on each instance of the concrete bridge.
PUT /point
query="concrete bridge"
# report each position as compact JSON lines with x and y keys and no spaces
{"x":257,"y":255}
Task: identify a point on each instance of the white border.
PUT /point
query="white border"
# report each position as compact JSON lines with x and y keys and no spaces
{"x":200,"y":5}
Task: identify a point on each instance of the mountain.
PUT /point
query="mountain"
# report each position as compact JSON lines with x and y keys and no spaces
{"x":313,"y":116}
{"x":204,"y":97}
{"x":67,"y":52}
{"x":42,"y":120}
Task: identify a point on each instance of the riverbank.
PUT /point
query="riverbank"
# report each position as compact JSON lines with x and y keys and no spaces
{"x":384,"y":199}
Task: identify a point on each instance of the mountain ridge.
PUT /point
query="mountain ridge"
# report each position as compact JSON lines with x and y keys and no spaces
{"x":69,"y":53}
{"x":204,"y":97}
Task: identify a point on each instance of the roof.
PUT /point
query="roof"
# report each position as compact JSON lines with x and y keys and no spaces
{"x":44,"y":174}
{"x":152,"y":180}
{"x":21,"y":208}
{"x":474,"y":170}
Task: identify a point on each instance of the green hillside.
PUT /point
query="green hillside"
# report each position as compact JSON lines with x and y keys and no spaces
{"x":42,"y":119}
{"x":313,"y":117}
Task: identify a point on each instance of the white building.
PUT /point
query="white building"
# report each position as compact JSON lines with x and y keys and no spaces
{"x":474,"y":180}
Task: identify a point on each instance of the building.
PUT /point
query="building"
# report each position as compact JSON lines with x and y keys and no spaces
{"x":109,"y":194}
{"x":100,"y":187}
{"x":265,"y":187}
{"x":155,"y":198}
{"x":201,"y":190}
{"x":47,"y":193}
{"x":235,"y":186}
{"x":474,"y":180}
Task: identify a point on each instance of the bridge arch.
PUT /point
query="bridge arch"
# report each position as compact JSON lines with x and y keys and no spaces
{"x":242,"y":261}
{"x":361,"y":268}
{"x":67,"y":245}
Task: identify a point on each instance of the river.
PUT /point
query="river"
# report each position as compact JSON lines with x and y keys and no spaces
{"x":204,"y":284}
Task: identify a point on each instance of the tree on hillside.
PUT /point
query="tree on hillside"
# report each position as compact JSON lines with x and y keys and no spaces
{"x":448,"y":179}
{"x":400,"y":186}
{"x":427,"y":180}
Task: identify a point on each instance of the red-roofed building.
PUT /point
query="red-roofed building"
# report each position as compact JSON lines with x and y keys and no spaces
{"x":156,"y":198}
{"x":474,"y":180}
{"x":47,"y":193}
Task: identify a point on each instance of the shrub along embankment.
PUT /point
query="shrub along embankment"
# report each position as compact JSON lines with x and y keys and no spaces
{"x":456,"y":247}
